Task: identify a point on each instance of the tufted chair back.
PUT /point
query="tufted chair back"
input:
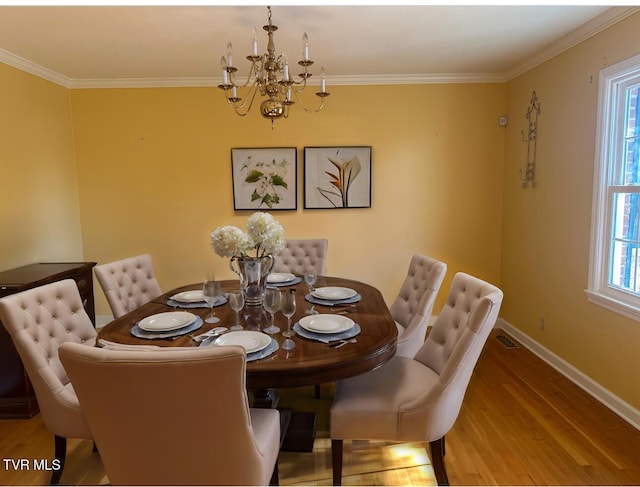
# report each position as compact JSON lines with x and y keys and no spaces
{"x":39,"y":320}
{"x":128,"y":283}
{"x":456,"y":341}
{"x":470,"y":306}
{"x":140,"y":407}
{"x":412,"y":308}
{"x":300,"y":255}
{"x":419,"y":398}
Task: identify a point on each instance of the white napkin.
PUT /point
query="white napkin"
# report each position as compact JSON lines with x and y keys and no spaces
{"x":122,"y":346}
{"x":106,"y":344}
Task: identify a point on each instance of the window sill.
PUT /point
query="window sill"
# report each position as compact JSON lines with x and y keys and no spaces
{"x":614,"y":305}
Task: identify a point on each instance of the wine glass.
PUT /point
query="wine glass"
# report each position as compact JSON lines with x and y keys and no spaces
{"x":310,"y":278}
{"x":211,"y":290}
{"x":271,"y":304}
{"x":236,"y":301}
{"x":288,"y":308}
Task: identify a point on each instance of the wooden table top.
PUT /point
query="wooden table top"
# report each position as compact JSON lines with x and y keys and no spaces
{"x":311,"y":362}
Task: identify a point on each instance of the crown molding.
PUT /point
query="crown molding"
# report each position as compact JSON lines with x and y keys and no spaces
{"x":144,"y":83}
{"x":600,"y":23}
{"x":334,"y":80}
{"x":417,"y":79}
{"x":581,"y":34}
{"x":23,"y":64}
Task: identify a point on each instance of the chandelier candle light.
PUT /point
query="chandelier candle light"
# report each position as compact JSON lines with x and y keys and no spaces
{"x":270,"y":76}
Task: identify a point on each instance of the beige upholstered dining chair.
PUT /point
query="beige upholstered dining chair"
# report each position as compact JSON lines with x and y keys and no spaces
{"x":128,"y":283}
{"x":412,"y":308}
{"x":419,"y":398}
{"x":177,"y":417}
{"x":301,"y":255}
{"x":39,"y":320}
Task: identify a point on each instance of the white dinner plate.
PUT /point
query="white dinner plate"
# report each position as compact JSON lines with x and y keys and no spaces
{"x":329,"y":323}
{"x":172,"y":320}
{"x":278,"y":277}
{"x":331,"y":293}
{"x":189,"y":296}
{"x":252,"y":341}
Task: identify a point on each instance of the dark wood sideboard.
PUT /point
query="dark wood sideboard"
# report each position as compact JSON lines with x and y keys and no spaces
{"x":17,"y":398}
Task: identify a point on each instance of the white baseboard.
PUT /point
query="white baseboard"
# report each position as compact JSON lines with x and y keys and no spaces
{"x":623,"y":409}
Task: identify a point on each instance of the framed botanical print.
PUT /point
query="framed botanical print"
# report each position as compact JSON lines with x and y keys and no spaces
{"x":337,"y":177}
{"x":264,"y":178}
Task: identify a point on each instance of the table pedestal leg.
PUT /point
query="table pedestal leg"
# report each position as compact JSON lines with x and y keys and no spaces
{"x":266,"y":398}
{"x":301,"y":432}
{"x":297,"y":428}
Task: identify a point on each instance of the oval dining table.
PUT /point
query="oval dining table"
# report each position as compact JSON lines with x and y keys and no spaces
{"x":311,"y":362}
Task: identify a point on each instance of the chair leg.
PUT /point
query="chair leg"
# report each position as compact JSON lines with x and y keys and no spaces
{"x":317,"y":391}
{"x":60,"y":454}
{"x":336,"y":461}
{"x":437,"y":460}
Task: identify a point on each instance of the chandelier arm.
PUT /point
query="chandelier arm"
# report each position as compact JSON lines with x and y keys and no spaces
{"x":238,"y":107}
{"x":302,"y":84}
{"x":252,"y":77}
{"x":307,"y":109}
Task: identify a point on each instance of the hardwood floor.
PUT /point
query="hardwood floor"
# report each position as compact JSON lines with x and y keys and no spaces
{"x":522,"y":423}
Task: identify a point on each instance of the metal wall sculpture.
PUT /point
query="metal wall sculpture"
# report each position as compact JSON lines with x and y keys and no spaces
{"x":533,"y":111}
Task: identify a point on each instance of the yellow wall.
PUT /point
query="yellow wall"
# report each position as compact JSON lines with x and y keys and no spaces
{"x":546,"y":230}
{"x":154,"y":175}
{"x":39,"y":214}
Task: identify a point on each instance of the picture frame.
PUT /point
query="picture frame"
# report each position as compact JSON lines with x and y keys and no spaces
{"x":337,"y":177}
{"x":264,"y":178}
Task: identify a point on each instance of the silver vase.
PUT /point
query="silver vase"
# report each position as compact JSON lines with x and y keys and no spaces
{"x":253,"y":272}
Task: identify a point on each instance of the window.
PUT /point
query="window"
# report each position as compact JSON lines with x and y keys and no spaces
{"x":614,"y":272}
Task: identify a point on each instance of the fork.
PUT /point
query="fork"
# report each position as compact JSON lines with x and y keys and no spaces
{"x":209,"y":334}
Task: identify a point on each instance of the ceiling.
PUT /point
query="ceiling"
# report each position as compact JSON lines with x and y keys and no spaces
{"x":82,"y":46}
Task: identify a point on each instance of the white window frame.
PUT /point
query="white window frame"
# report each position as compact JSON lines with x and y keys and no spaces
{"x":613,"y":82}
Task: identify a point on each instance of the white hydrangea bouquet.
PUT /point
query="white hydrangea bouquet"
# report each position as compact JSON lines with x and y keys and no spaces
{"x":264,"y":235}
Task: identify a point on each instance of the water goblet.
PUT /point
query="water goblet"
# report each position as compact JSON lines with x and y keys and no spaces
{"x":310,"y":278}
{"x":211,"y":291}
{"x":236,"y":301}
{"x":271,"y":304}
{"x":288,"y":308}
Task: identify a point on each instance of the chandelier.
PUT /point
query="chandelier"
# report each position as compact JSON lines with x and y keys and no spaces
{"x":269,"y":76}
